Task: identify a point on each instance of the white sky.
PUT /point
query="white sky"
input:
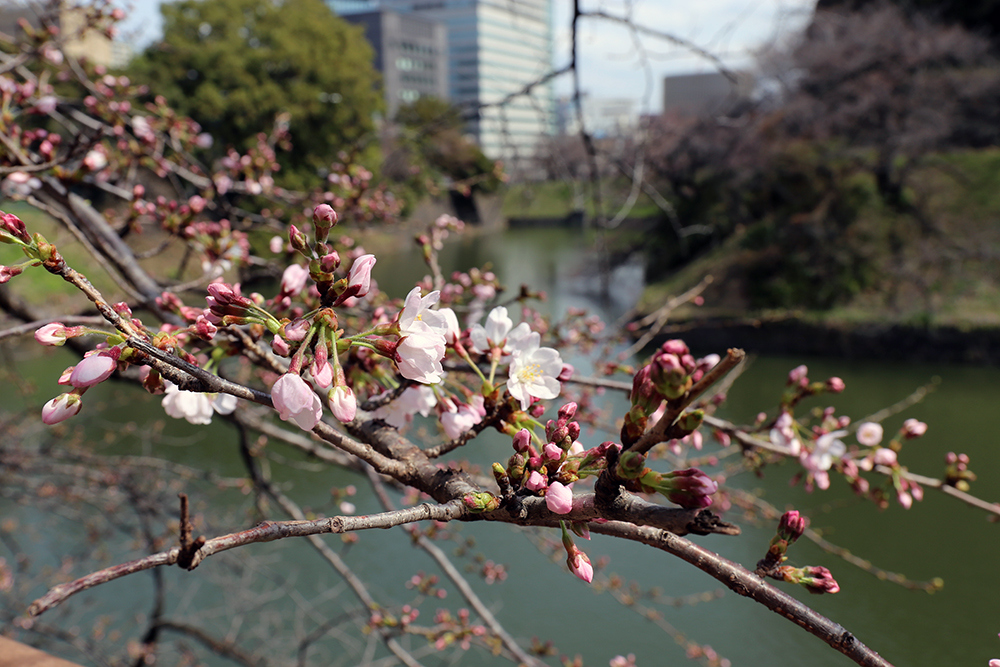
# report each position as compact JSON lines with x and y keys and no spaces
{"x":612,"y":64}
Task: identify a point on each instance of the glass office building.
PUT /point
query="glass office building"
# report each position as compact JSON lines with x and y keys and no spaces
{"x":496,"y":49}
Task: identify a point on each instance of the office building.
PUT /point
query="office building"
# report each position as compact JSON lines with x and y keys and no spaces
{"x":411,"y":52}
{"x":496,"y":49}
{"x":705,"y":94}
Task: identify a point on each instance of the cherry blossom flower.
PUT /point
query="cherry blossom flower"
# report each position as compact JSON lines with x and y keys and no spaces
{"x":422,"y":346}
{"x":61,"y":408}
{"x":413,"y":400}
{"x":783,"y":434}
{"x":418,"y":309}
{"x":195,"y":407}
{"x":534,"y":371}
{"x":827,"y":448}
{"x":295,"y":401}
{"x":494,"y":334}
{"x":95,"y":160}
{"x":419,"y":354}
{"x":869,"y":434}
{"x":293,"y":280}
{"x":460,"y":419}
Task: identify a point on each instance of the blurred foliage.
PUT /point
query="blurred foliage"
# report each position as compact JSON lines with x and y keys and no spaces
{"x":426,"y":150}
{"x":975,"y":15}
{"x":855,"y":178}
{"x":234,"y":65}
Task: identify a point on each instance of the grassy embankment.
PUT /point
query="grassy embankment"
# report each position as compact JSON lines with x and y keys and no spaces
{"x":948,"y":276}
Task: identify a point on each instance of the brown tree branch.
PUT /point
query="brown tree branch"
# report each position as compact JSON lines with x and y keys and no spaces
{"x":745,"y":583}
{"x":268,"y":531}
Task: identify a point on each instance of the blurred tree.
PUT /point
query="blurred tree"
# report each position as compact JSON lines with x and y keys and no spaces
{"x":822,"y":174}
{"x":426,"y":146}
{"x":233,"y":65}
{"x":974,"y":15}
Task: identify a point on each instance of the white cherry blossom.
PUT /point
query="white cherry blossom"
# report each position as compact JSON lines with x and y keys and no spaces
{"x":534,"y":371}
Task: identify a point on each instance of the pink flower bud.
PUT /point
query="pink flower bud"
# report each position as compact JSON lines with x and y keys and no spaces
{"x":522,"y":440}
{"x":294,"y":400}
{"x":566,"y":374}
{"x":324,"y":217}
{"x":296,"y":330}
{"x":92,"y":370}
{"x":536,"y":481}
{"x":552,"y":452}
{"x":343,"y":404}
{"x":13,"y":225}
{"x":676,"y":347}
{"x":359,"y":279}
{"x":61,"y":408}
{"x":8,"y":272}
{"x":280,"y":347}
{"x":298,"y":239}
{"x":913,"y":428}
{"x":797,"y":374}
{"x":53,"y":334}
{"x":559,"y":498}
{"x":567,"y":412}
{"x":884,"y":457}
{"x":791,"y":526}
{"x":835,"y":385}
{"x":579,"y":564}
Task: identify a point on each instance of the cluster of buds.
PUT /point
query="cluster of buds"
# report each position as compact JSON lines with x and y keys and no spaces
{"x":670,"y":374}
{"x":386,"y":619}
{"x":690,"y":488}
{"x":36,"y":248}
{"x":449,"y":631}
{"x":551,"y":470}
{"x":427,"y":584}
{"x":790,"y":528}
{"x":956,"y":472}
{"x":798,"y":386}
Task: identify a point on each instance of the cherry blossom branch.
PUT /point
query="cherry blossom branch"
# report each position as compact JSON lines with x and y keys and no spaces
{"x":748,"y":440}
{"x":747,"y":584}
{"x":769,"y":512}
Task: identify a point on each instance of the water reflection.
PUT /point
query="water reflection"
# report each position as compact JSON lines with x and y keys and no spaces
{"x":939,"y":537}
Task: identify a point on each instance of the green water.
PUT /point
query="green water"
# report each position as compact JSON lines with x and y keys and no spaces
{"x":939,"y":537}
